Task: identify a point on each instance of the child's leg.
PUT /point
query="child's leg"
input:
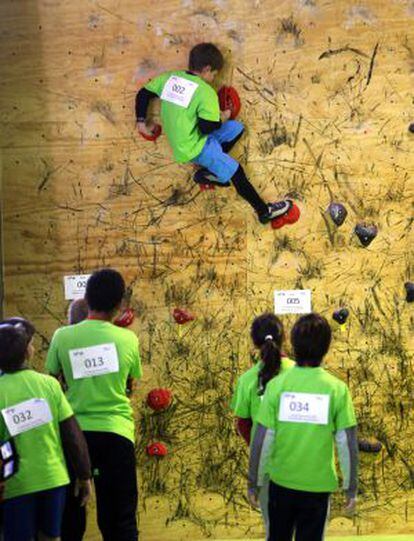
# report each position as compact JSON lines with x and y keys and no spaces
{"x":50,"y":507}
{"x":19,"y":515}
{"x":312,"y":516}
{"x":74,"y":516}
{"x":228,"y":134}
{"x":281,"y":513}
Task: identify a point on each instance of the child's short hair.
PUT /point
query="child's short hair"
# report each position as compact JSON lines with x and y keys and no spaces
{"x":104,"y":290}
{"x":78,"y":311}
{"x":310,"y":337}
{"x":15,"y":336}
{"x":203,"y":55}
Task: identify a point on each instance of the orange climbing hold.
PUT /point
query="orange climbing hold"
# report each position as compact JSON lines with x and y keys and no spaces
{"x":291,"y":217}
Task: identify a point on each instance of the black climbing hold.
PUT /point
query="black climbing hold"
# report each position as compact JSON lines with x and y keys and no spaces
{"x":366,"y":233}
{"x":368,"y":446}
{"x":411,"y":127}
{"x":338,"y":213}
{"x":341,"y":315}
{"x":409,"y":289}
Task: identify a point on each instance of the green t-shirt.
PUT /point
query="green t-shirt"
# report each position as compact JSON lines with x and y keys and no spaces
{"x":99,"y":401}
{"x":42,"y":465}
{"x":302,"y":456}
{"x":184,"y":99}
{"x":247,"y":402}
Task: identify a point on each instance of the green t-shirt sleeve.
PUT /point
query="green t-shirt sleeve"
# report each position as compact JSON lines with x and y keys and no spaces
{"x":344,"y":412}
{"x":136,"y":367}
{"x":53,"y":365}
{"x":267,"y":415}
{"x":156,"y":85}
{"x":242,"y":407}
{"x":63,"y":408}
{"x":208,"y":105}
{"x":233,"y":400}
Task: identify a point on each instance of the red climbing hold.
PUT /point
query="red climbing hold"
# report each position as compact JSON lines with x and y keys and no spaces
{"x":125,"y":319}
{"x":229,"y":99}
{"x":291,"y":217}
{"x":157,"y":449}
{"x":156,"y":132}
{"x":206,"y":187}
{"x":182,"y":316}
{"x":159,"y":399}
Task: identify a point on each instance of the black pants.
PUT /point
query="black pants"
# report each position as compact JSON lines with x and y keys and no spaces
{"x":304,"y":513}
{"x":115,"y":479}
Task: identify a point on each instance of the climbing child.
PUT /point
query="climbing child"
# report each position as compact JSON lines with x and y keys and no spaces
{"x":37,"y":416}
{"x":97,"y":358}
{"x":197,"y":131}
{"x":303,"y":412}
{"x":267,"y":335}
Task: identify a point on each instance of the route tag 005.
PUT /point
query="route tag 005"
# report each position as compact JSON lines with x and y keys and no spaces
{"x":304,"y":408}
{"x":27,"y":415}
{"x":179,"y":91}
{"x":94,"y":361}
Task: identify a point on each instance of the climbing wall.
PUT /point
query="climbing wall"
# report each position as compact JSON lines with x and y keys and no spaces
{"x":326,"y":87}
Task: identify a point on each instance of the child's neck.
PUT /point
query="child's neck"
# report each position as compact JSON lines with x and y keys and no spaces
{"x":102,"y":316}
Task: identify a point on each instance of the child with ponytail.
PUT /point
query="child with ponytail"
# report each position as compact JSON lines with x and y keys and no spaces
{"x":267,"y":334}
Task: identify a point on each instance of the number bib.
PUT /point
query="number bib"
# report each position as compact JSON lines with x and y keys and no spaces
{"x":94,"y":361}
{"x":27,"y":415}
{"x":179,"y":91}
{"x":304,"y":408}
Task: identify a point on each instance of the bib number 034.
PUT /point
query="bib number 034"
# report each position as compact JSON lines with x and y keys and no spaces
{"x":27,"y":415}
{"x":304,"y":408}
{"x":94,"y":361}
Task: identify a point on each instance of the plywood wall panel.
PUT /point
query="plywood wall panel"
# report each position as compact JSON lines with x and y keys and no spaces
{"x":327,"y":98}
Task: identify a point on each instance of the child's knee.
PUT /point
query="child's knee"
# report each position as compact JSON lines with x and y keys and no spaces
{"x":236,"y":127}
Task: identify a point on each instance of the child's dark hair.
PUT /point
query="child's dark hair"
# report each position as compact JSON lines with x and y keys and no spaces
{"x":203,"y":55}
{"x":311,"y":338}
{"x":15,"y":336}
{"x":267,"y":334}
{"x":78,"y":311}
{"x":104,"y":290}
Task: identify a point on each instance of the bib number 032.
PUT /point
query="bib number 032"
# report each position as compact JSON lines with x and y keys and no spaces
{"x":27,"y":415}
{"x":94,"y":361}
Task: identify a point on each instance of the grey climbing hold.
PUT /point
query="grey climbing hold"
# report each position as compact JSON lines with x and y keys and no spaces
{"x":337,"y":212}
{"x":409,"y":290}
{"x":366,"y":233}
{"x":341,"y":315}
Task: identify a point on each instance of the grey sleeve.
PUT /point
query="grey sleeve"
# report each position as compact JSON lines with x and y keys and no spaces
{"x":347,"y":445}
{"x":259,"y":452}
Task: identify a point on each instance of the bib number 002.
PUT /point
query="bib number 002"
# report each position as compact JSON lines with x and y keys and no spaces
{"x":179,"y":91}
{"x":304,"y":408}
{"x":27,"y":415}
{"x":94,"y":361}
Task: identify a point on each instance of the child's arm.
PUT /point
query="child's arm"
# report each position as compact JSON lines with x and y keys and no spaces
{"x":142,"y":101}
{"x":244,"y":428}
{"x":347,"y":445}
{"x":259,"y":453}
{"x":76,"y":450}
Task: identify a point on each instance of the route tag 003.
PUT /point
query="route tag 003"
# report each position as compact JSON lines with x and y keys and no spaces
{"x":27,"y":415}
{"x":75,"y":286}
{"x":94,"y":361}
{"x":304,"y":408}
{"x":179,"y":91}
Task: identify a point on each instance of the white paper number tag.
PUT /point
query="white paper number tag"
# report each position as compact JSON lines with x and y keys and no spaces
{"x":75,"y":286}
{"x":304,"y":408}
{"x":179,"y":91}
{"x":27,"y":415}
{"x":94,"y":361}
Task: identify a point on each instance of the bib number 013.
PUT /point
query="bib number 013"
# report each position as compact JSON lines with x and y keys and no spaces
{"x":94,"y":361}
